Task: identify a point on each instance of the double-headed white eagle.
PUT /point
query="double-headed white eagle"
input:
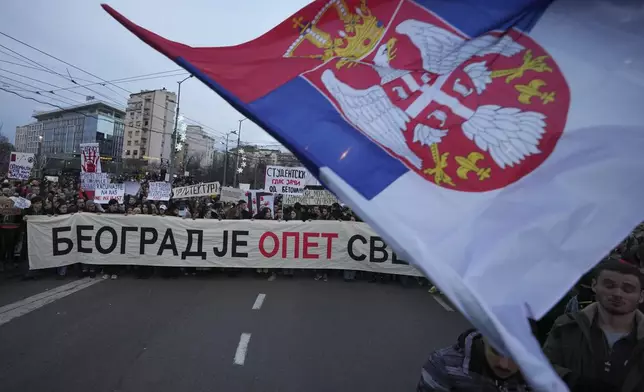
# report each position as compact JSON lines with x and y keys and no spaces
{"x":508,"y":134}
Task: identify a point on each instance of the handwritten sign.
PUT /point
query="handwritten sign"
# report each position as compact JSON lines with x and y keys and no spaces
{"x":207,"y":189}
{"x":258,"y":200}
{"x":160,"y":191}
{"x":20,"y":165}
{"x":90,"y":181}
{"x":288,"y":180}
{"x":311,"y":197}
{"x":90,"y":158}
{"x":107,"y":192}
{"x":230,"y":194}
{"x":21,"y":202}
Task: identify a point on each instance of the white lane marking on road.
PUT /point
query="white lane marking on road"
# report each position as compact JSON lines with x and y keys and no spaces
{"x":259,"y":301}
{"x":242,"y":348}
{"x":27,"y":305}
{"x":443,"y":303}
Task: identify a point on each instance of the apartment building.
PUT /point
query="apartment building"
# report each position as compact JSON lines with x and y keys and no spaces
{"x":149,"y":123}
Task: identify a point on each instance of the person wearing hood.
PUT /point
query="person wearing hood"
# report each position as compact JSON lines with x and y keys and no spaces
{"x":471,"y":365}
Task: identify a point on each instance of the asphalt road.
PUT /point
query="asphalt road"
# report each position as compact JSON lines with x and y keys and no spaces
{"x":183,"y":334}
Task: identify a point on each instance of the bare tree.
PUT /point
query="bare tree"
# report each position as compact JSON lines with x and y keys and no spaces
{"x":5,"y":152}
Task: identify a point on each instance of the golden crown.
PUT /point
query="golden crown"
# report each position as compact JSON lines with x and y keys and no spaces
{"x":361,"y":33}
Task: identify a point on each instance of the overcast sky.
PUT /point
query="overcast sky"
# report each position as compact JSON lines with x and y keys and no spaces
{"x":81,"y":33}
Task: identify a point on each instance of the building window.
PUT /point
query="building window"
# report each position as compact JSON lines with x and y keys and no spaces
{"x":136,"y":133}
{"x":138,"y":124}
{"x":129,"y":142}
{"x":146,"y":123}
{"x":135,"y":152}
{"x":136,"y":142}
{"x":129,"y":134}
{"x":127,"y":152}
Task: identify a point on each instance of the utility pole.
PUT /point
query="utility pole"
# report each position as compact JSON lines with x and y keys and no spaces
{"x":237,"y":157}
{"x":174,"y":133}
{"x":226,"y":156}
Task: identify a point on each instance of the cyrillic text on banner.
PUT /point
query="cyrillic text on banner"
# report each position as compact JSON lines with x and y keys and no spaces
{"x":168,"y":241}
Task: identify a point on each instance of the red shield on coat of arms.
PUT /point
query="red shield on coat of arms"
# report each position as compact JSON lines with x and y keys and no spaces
{"x":466,"y":114}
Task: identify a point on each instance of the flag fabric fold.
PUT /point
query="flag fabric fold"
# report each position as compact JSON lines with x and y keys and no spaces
{"x":495,"y":145}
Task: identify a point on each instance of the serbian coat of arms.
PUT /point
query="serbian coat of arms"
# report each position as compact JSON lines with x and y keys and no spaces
{"x":470,"y":114}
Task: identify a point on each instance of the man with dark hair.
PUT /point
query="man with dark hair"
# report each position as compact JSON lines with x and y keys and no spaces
{"x":471,"y":365}
{"x":601,"y":348}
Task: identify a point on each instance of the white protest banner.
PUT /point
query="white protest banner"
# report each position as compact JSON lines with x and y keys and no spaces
{"x":107,"y":192}
{"x":170,"y":241}
{"x":207,"y":189}
{"x":20,"y":165}
{"x":160,"y":191}
{"x":51,"y":178}
{"x":287,"y":180}
{"x":244,"y":186}
{"x":90,"y":158}
{"x":90,"y":181}
{"x":258,"y":200}
{"x":311,"y":197}
{"x":230,"y":194}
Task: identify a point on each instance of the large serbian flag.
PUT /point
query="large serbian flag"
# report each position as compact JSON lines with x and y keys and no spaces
{"x":498,"y":145}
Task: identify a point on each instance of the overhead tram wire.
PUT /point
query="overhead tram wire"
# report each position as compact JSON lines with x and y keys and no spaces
{"x":221,"y":134}
{"x":59,"y":74}
{"x":67,"y":101}
{"x":89,"y":73}
{"x":79,"y":112}
{"x":39,"y":89}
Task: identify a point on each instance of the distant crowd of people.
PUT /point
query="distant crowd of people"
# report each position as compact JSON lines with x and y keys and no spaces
{"x":62,"y":197}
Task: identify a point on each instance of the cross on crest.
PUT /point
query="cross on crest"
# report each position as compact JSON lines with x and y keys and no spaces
{"x":469,"y":114}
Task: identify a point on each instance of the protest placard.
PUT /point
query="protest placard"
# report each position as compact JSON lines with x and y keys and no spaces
{"x":90,"y":158}
{"x":21,"y":202}
{"x":258,"y":200}
{"x":230,"y":194}
{"x":288,"y":180}
{"x":207,"y":189}
{"x":20,"y":165}
{"x":132,"y":187}
{"x":107,"y":192}
{"x":311,"y":197}
{"x":160,"y":191}
{"x":90,"y":180}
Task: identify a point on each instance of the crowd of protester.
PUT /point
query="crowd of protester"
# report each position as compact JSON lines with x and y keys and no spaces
{"x":594,"y":336}
{"x":62,"y":197}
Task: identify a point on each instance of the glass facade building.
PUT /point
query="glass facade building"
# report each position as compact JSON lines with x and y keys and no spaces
{"x":94,"y":122}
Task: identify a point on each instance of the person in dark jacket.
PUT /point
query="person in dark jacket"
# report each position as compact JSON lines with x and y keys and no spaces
{"x":470,"y":365}
{"x":601,"y":348}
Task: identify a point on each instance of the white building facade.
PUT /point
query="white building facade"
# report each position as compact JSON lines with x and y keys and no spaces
{"x":198,"y":145}
{"x":149,"y":123}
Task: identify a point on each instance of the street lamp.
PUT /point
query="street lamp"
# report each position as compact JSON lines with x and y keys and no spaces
{"x":226,"y":156}
{"x":174,"y":133}
{"x":238,"y":140}
{"x":38,"y":156}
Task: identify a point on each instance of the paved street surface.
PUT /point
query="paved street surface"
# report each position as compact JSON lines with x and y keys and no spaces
{"x":202,"y":334}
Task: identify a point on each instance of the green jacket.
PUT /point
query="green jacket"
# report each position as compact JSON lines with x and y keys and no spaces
{"x":569,"y":349}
